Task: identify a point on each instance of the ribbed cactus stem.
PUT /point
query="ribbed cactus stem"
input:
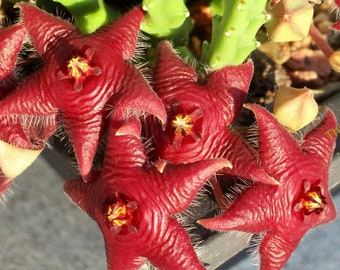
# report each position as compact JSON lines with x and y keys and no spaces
{"x":233,"y":34}
{"x":90,"y":14}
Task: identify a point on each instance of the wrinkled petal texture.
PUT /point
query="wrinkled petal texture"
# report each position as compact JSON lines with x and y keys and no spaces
{"x":82,"y":76}
{"x":199,"y":111}
{"x":211,"y":105}
{"x":301,"y":201}
{"x":12,"y":39}
{"x":151,"y":196}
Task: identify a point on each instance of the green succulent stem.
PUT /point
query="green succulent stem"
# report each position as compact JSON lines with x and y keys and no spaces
{"x":167,"y":19}
{"x":89,"y":14}
{"x":233,"y":32}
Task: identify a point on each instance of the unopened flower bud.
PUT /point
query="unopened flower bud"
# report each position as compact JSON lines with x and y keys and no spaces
{"x":295,"y":108}
{"x":290,"y":20}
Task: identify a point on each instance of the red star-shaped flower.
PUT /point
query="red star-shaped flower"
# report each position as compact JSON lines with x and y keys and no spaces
{"x":284,"y":213}
{"x":134,"y":203}
{"x":80,"y":76}
{"x":199,"y":111}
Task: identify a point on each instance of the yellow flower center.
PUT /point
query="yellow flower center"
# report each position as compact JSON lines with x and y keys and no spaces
{"x":312,"y":201}
{"x":78,"y":67}
{"x":182,"y":124}
{"x":119,"y":214}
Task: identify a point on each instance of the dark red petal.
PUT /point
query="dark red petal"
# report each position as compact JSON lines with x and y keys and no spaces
{"x":181,"y":182}
{"x":84,"y":135}
{"x":176,"y":252}
{"x":321,"y":140}
{"x":278,"y":149}
{"x":11,"y":40}
{"x":80,"y":193}
{"x":75,"y":190}
{"x":122,"y":34}
{"x":249,"y":213}
{"x":170,"y":69}
{"x":124,"y":148}
{"x":118,"y":256}
{"x":244,"y":160}
{"x":230,"y":86}
{"x":277,"y":247}
{"x":29,"y":99}
{"x":136,"y":95}
{"x":44,"y":28}
{"x":132,"y":127}
{"x":13,"y":133}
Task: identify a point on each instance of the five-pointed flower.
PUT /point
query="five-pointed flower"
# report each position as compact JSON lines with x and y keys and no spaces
{"x":199,"y":112}
{"x":134,"y":203}
{"x":80,"y":76}
{"x":301,"y":201}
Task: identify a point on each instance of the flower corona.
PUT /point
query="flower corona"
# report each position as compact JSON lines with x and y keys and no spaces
{"x":79,"y":68}
{"x":120,"y":215}
{"x":182,"y":124}
{"x":311,"y":200}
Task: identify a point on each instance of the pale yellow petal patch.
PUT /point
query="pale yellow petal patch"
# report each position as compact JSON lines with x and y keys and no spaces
{"x":14,"y":160}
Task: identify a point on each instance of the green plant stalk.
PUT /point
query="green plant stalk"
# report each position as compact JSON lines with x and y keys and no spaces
{"x":89,"y":14}
{"x":166,"y":18}
{"x":233,"y":33}
{"x":216,"y":7}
